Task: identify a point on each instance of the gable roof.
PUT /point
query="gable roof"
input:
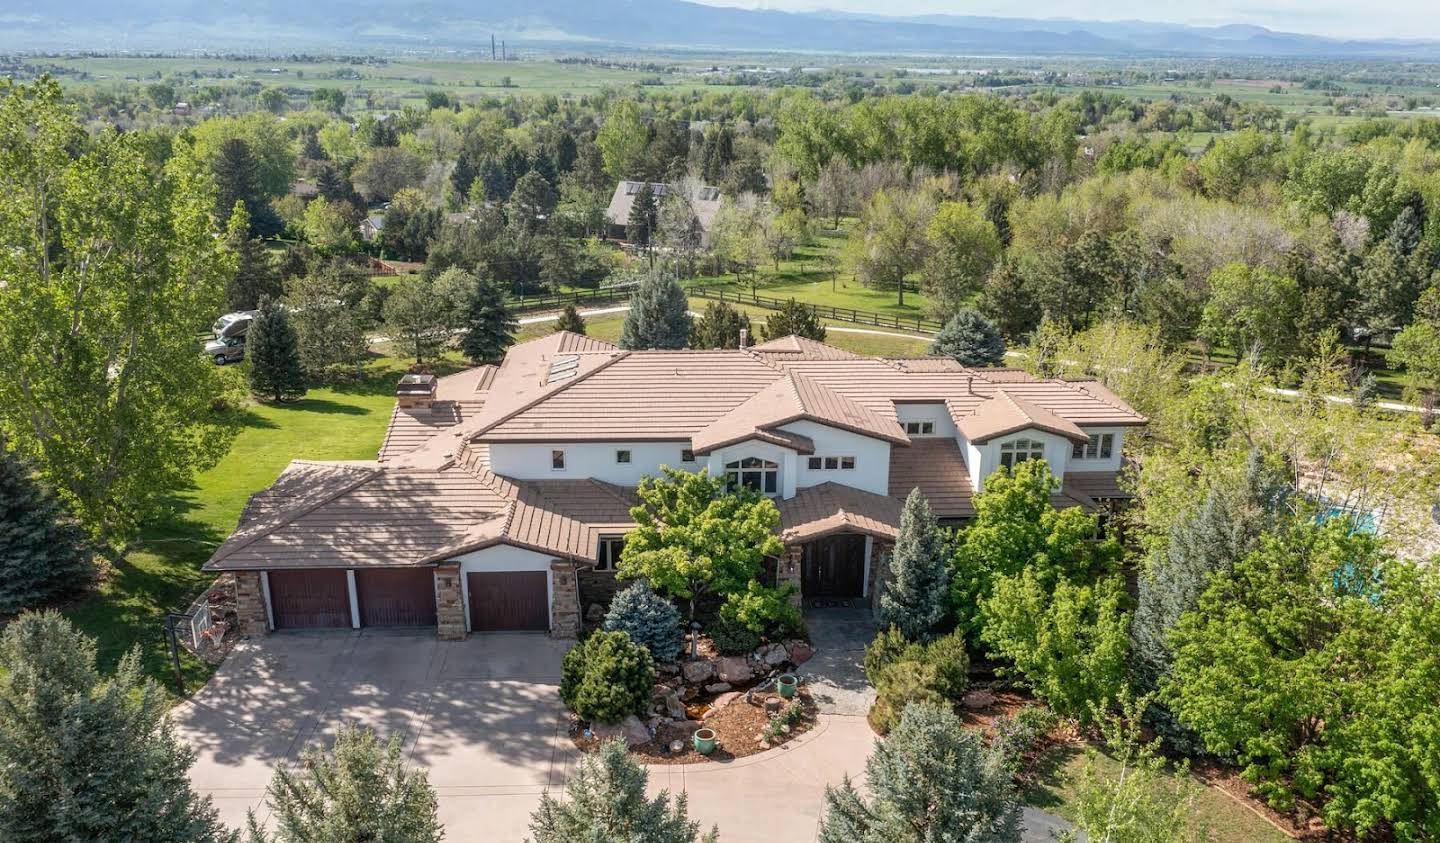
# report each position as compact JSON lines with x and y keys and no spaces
{"x":793,"y":347}
{"x":789,"y":399}
{"x":1004,"y":412}
{"x":704,"y":201}
{"x":819,"y":511}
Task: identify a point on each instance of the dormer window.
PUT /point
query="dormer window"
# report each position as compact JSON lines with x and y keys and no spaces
{"x":920,"y":428}
{"x":761,"y":475}
{"x":1016,"y":451}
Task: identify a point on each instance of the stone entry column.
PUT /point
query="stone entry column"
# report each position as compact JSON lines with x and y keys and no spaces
{"x":250,"y":604}
{"x":449,"y":603}
{"x":564,"y":600}
{"x":880,"y":552}
{"x":789,"y":570}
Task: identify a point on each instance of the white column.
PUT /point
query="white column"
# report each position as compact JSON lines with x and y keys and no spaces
{"x":354,"y":599}
{"x":869,"y":552}
{"x":265,"y":591}
{"x":465,"y":596}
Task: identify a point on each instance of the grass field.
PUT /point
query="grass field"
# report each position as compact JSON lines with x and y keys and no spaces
{"x":1057,"y":782}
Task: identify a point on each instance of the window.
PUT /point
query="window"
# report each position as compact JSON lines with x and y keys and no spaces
{"x":622,"y":456}
{"x":816,"y":463}
{"x":608,"y":555}
{"x":920,"y":428}
{"x":830,"y":463}
{"x":761,"y":475}
{"x":1100,"y":445}
{"x":687,"y":455}
{"x":557,"y":460}
{"x":1017,"y":451}
{"x":847,"y":463}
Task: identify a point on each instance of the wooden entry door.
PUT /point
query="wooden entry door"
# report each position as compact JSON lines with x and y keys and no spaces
{"x":834,"y":567}
{"x":396,"y":596}
{"x":508,"y":601}
{"x":311,"y":599}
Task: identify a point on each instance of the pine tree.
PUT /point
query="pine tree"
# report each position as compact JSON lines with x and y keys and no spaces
{"x":44,"y":554}
{"x":489,"y":323}
{"x":608,"y":803}
{"x":644,"y":214}
{"x":237,"y":179}
{"x":659,"y":316}
{"x":914,"y":601}
{"x":649,"y":619}
{"x":274,"y":352}
{"x":571,"y":320}
{"x":85,"y":756}
{"x":255,"y":276}
{"x":930,"y":779}
{"x":794,"y":318}
{"x":971,"y":339}
{"x":361,"y":790}
{"x":719,"y":327}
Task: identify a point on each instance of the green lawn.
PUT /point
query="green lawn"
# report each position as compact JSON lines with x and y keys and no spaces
{"x":1058,"y":779}
{"x":162,"y":571}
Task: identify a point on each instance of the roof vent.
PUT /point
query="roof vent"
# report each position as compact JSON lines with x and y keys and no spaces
{"x":563,"y":368}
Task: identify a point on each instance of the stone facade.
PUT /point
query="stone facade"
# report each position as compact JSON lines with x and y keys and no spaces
{"x":564,"y":600}
{"x":880,"y":553}
{"x":250,"y":604}
{"x":597,"y":588}
{"x":789,"y":571}
{"x":449,"y":603}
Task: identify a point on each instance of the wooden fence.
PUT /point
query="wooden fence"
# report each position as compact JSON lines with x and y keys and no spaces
{"x":824,"y":311}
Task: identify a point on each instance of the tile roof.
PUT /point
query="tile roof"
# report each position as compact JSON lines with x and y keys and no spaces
{"x":704,"y":201}
{"x":1005,"y":412}
{"x":818,"y":511}
{"x":792,"y":398}
{"x":937,"y":467}
{"x":1097,"y":484}
{"x":792,"y":347}
{"x":410,"y":429}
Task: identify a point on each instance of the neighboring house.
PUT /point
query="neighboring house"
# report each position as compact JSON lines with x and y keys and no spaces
{"x":371,"y":226}
{"x":500,"y":498}
{"x":704,"y":201}
{"x":304,"y":190}
{"x":181,"y":109}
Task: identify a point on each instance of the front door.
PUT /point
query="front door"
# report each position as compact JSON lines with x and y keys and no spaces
{"x":835,"y":567}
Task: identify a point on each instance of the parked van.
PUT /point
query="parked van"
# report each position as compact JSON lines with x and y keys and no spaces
{"x":226,"y":349}
{"x":233,"y":324}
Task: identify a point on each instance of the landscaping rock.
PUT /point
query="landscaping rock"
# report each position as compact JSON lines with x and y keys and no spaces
{"x":734,"y":669}
{"x":722,"y":701}
{"x":976,"y":700}
{"x":800,"y":651}
{"x":718,"y":688}
{"x":690,"y":692}
{"x":595,"y":613}
{"x":696,"y":672}
{"x":659,"y":691}
{"x":772,"y":655}
{"x":674,"y":708}
{"x":632,"y":730}
{"x":668,"y":668}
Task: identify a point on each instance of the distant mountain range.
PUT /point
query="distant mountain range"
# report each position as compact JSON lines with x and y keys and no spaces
{"x":356,"y":25}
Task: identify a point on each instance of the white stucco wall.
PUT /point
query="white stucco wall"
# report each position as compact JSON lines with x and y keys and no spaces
{"x":984,"y":459}
{"x":1111,"y":464}
{"x":872,"y":458}
{"x":938,"y":413}
{"x":506,"y":558}
{"x":584,"y":460}
{"x":783,"y":457}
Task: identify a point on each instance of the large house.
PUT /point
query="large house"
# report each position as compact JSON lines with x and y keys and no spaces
{"x":704,"y":202}
{"x":500,"y":498}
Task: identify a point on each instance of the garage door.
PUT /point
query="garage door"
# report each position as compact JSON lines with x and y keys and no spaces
{"x":396,"y":597}
{"x":509,"y":600}
{"x":309,"y":599}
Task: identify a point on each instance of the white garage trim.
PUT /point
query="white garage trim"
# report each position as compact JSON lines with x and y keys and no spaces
{"x":354,"y":598}
{"x":869,"y":552}
{"x":265,"y":590}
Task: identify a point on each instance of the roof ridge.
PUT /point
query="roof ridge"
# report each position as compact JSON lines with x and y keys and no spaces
{"x":1102,"y":399}
{"x":289,"y":516}
{"x":616,"y":355}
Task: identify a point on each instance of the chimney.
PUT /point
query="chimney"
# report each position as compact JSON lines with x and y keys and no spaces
{"x":744,"y":337}
{"x":416,"y":392}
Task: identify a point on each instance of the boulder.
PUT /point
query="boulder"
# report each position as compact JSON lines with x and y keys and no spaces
{"x":689,"y":692}
{"x":632,"y":730}
{"x":659,"y":691}
{"x":722,"y":701}
{"x":674,"y":708}
{"x":800,"y":651}
{"x":976,"y":700}
{"x":718,"y":687}
{"x":697,"y":671}
{"x":772,"y":655}
{"x":668,"y":668}
{"x":595,"y":613}
{"x":734,"y":669}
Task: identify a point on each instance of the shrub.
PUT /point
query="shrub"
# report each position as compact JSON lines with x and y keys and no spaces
{"x":906,"y":671}
{"x":952,"y":664}
{"x":888,"y":647}
{"x":1017,"y":734}
{"x":762,"y":610}
{"x":606,"y":677}
{"x":902,"y":683}
{"x":649,"y":619}
{"x":732,"y":638}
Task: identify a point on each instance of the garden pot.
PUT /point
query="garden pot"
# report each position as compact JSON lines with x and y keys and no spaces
{"x":704,"y":741}
{"x":786,"y":684}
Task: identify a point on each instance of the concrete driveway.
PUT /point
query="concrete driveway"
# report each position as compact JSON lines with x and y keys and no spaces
{"x":484,"y":717}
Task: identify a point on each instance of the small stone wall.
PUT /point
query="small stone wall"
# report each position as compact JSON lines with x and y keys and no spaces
{"x":449,"y":603}
{"x":250,"y":604}
{"x":564,"y":600}
{"x":789,"y":571}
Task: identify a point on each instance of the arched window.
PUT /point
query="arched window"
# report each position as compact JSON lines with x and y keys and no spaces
{"x":761,"y":475}
{"x":1016,"y":451}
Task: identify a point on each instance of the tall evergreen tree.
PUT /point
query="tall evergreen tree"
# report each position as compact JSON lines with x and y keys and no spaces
{"x":255,"y":276}
{"x":971,"y":339}
{"x":489,"y":322}
{"x":237,"y":179}
{"x":361,"y":790}
{"x":571,"y":320}
{"x":274,"y":351}
{"x":85,"y":756}
{"x":794,"y":318}
{"x":608,"y":803}
{"x":915,"y":601}
{"x":658,"y":315}
{"x":44,"y":553}
{"x":719,"y":327}
{"x":930,"y":779}
{"x":644,"y":216}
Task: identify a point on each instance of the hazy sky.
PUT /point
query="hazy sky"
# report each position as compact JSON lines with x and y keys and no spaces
{"x":1340,"y":18}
